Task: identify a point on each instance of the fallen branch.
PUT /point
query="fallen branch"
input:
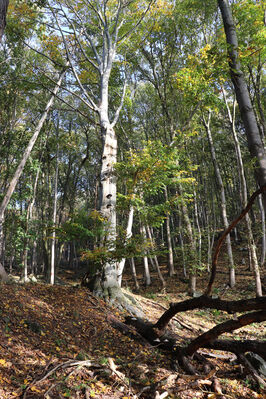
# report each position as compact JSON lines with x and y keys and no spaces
{"x":169,"y":340}
{"x":227,"y":326}
{"x":181,"y":322}
{"x":237,"y":347}
{"x":206,"y":302}
{"x":70,"y":363}
{"x":64,"y":365}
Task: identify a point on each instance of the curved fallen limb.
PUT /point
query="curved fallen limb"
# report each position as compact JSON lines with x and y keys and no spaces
{"x":205,"y":302}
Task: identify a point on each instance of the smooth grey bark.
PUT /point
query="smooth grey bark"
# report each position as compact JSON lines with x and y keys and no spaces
{"x":255,"y":144}
{"x":198,"y":226}
{"x":28,"y":218}
{"x":53,"y":241}
{"x":13,"y":183}
{"x":156,"y":263}
{"x":263,"y":239}
{"x":223,"y":200}
{"x":146,"y":274}
{"x":121,"y":264}
{"x":193,"y":248}
{"x":171,"y":268}
{"x":182,"y":247}
{"x":134,"y":273}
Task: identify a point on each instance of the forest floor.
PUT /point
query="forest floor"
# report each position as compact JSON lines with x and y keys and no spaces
{"x":57,"y":342}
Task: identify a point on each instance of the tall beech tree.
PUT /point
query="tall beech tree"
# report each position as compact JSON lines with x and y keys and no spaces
{"x":255,"y":143}
{"x":95,"y":45}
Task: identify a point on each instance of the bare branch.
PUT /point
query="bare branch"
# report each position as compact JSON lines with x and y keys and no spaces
{"x":86,"y":35}
{"x":120,"y":106}
{"x":43,"y":55}
{"x":79,"y":43}
{"x":91,"y":104}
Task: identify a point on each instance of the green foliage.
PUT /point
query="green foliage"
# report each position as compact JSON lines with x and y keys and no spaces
{"x":147,"y":172}
{"x":81,"y":227}
{"x":118,"y":249}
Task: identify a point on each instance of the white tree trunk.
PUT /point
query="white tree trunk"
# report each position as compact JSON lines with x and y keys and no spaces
{"x":53,"y":241}
{"x":171,"y":267}
{"x":109,"y":279}
{"x":121,"y":264}
{"x":147,"y":276}
{"x":157,"y":267}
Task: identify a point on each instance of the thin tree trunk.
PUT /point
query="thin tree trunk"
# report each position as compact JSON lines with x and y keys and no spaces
{"x":251,"y":242}
{"x":3,"y":12}
{"x":223,"y":201}
{"x":157,"y":267}
{"x":171,"y":268}
{"x":13,"y":183}
{"x":263,"y":243}
{"x":28,"y":218}
{"x":53,"y":241}
{"x":198,"y":226}
{"x":134,"y":273}
{"x":192,"y":249}
{"x":121,"y":264}
{"x":147,"y":277}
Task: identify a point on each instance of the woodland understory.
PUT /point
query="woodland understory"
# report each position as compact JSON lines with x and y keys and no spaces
{"x":132,"y":143}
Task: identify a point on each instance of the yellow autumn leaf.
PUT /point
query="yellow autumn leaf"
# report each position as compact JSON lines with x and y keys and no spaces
{"x":35,"y":389}
{"x":3,"y":363}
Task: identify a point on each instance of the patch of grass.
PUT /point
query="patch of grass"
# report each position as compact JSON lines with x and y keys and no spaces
{"x":151,"y":295}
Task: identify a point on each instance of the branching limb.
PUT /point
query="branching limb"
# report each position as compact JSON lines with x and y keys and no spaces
{"x":228,"y":326}
{"x":116,"y":117}
{"x":205,"y":302}
{"x":90,"y":102}
{"x":79,"y":42}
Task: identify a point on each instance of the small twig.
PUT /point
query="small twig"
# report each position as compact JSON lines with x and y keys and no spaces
{"x":49,"y":390}
{"x":69,"y":363}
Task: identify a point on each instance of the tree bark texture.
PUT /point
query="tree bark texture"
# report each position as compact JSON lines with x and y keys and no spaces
{"x":255,"y":144}
{"x":210,"y":303}
{"x":3,"y":12}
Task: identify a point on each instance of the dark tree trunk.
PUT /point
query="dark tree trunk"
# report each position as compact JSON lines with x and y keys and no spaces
{"x":255,"y":144}
{"x":3,"y":12}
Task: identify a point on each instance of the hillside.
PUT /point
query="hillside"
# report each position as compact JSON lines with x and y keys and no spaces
{"x":58,"y":342}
